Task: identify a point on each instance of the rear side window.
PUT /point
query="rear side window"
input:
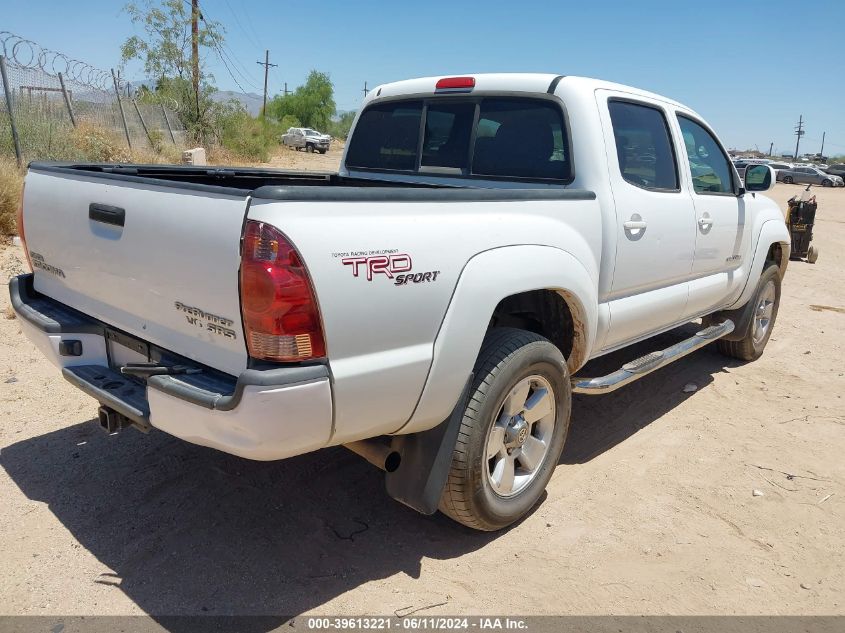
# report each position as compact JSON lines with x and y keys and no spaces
{"x":510,"y":138}
{"x":643,"y":146}
{"x":386,"y":137}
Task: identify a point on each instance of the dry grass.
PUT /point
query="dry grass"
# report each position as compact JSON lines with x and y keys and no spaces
{"x":11,"y":181}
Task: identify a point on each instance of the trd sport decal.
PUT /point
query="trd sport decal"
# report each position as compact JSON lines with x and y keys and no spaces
{"x":395,"y":266}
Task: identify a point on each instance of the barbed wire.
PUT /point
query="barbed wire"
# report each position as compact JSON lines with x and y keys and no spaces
{"x":28,"y":54}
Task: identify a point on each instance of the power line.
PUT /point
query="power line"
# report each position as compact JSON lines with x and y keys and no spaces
{"x":243,"y":30}
{"x":222,"y":53}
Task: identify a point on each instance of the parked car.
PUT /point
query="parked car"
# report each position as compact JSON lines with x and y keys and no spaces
{"x":779,"y":168}
{"x":431,"y":306}
{"x":742,"y":163}
{"x":307,"y":139}
{"x":836,"y":170}
{"x":811,"y":175}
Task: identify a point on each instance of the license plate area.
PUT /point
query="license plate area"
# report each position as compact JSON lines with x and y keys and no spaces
{"x":123,"y":349}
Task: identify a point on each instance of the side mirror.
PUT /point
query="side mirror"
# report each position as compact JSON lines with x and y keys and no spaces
{"x":759,"y":178}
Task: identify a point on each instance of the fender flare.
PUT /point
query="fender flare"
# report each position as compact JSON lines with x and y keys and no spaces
{"x":771,"y":232}
{"x":486,"y":279}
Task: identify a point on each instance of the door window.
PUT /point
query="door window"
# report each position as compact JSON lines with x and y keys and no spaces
{"x":710,"y":167}
{"x":643,"y":146}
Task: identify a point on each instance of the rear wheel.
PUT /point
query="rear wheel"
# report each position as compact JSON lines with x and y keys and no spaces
{"x":787,"y":180}
{"x":512,"y":432}
{"x":812,"y":254}
{"x":766,"y":301}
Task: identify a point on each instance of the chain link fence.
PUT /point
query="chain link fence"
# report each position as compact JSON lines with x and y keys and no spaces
{"x":57,"y":108}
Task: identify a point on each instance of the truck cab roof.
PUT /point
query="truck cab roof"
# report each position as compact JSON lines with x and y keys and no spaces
{"x":508,"y":82}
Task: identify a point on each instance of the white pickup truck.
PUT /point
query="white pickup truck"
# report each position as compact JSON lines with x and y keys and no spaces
{"x":431,"y":305}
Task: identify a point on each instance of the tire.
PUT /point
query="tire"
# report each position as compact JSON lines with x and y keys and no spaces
{"x":812,"y":254}
{"x":752,"y":344}
{"x":827,"y":183}
{"x":787,"y":180}
{"x":322,"y":151}
{"x":512,"y":368}
{"x":309,"y":148}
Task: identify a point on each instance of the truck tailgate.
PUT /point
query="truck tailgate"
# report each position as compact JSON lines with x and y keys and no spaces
{"x":159,"y":262}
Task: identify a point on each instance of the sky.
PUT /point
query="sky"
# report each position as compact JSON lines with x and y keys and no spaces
{"x":749,"y":67}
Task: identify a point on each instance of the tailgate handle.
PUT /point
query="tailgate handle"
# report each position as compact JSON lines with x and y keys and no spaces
{"x":106,"y":214}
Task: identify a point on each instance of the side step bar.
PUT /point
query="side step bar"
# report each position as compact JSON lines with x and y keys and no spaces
{"x":650,"y":362}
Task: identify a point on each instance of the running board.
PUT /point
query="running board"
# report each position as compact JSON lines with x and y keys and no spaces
{"x":650,"y":362}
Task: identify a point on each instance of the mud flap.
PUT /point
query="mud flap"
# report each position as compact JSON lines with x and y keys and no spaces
{"x":426,"y":459}
{"x":741,"y":317}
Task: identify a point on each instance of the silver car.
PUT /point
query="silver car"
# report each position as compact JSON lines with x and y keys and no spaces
{"x":811,"y":176}
{"x":307,"y":139}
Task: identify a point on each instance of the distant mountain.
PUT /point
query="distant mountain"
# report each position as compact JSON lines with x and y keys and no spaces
{"x":251,"y":101}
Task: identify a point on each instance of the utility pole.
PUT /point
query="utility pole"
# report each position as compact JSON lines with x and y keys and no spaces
{"x":771,"y":146}
{"x":821,"y":151}
{"x":266,"y":63}
{"x":195,"y":51}
{"x":366,"y":90}
{"x":799,"y":132}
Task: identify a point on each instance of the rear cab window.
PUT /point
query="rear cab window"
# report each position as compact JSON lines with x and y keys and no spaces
{"x":510,"y":138}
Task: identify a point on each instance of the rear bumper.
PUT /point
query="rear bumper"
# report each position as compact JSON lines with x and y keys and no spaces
{"x":262,"y":414}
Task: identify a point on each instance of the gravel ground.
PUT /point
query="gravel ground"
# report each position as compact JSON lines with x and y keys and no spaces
{"x":651,"y":510}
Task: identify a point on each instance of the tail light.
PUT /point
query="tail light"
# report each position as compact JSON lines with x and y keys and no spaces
{"x":281,"y":319}
{"x":21,"y":232}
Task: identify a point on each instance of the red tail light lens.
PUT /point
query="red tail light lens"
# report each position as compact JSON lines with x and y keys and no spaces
{"x":281,"y":319}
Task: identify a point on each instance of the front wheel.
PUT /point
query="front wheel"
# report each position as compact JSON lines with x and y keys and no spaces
{"x":309,"y":148}
{"x":766,"y":300}
{"x":827,"y":183}
{"x":512,"y":432}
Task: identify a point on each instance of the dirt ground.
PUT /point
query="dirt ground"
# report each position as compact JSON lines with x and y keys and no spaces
{"x":292,"y":159}
{"x":651,"y":511}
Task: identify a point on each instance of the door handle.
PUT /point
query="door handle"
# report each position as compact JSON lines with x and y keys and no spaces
{"x":705,"y":222}
{"x":106,"y":214}
{"x":633,"y":225}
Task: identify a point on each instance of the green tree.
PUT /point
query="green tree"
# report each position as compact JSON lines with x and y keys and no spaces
{"x":312,"y":104}
{"x":165,"y":51}
{"x":340,"y":126}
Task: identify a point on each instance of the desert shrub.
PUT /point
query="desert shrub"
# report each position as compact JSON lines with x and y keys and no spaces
{"x":339,"y":127}
{"x":248,"y":137}
{"x":157,"y":141}
{"x":98,"y":145}
{"x":11,"y":181}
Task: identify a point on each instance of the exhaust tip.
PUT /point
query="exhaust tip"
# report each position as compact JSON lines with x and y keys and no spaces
{"x":378,"y":454}
{"x":392,"y":462}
